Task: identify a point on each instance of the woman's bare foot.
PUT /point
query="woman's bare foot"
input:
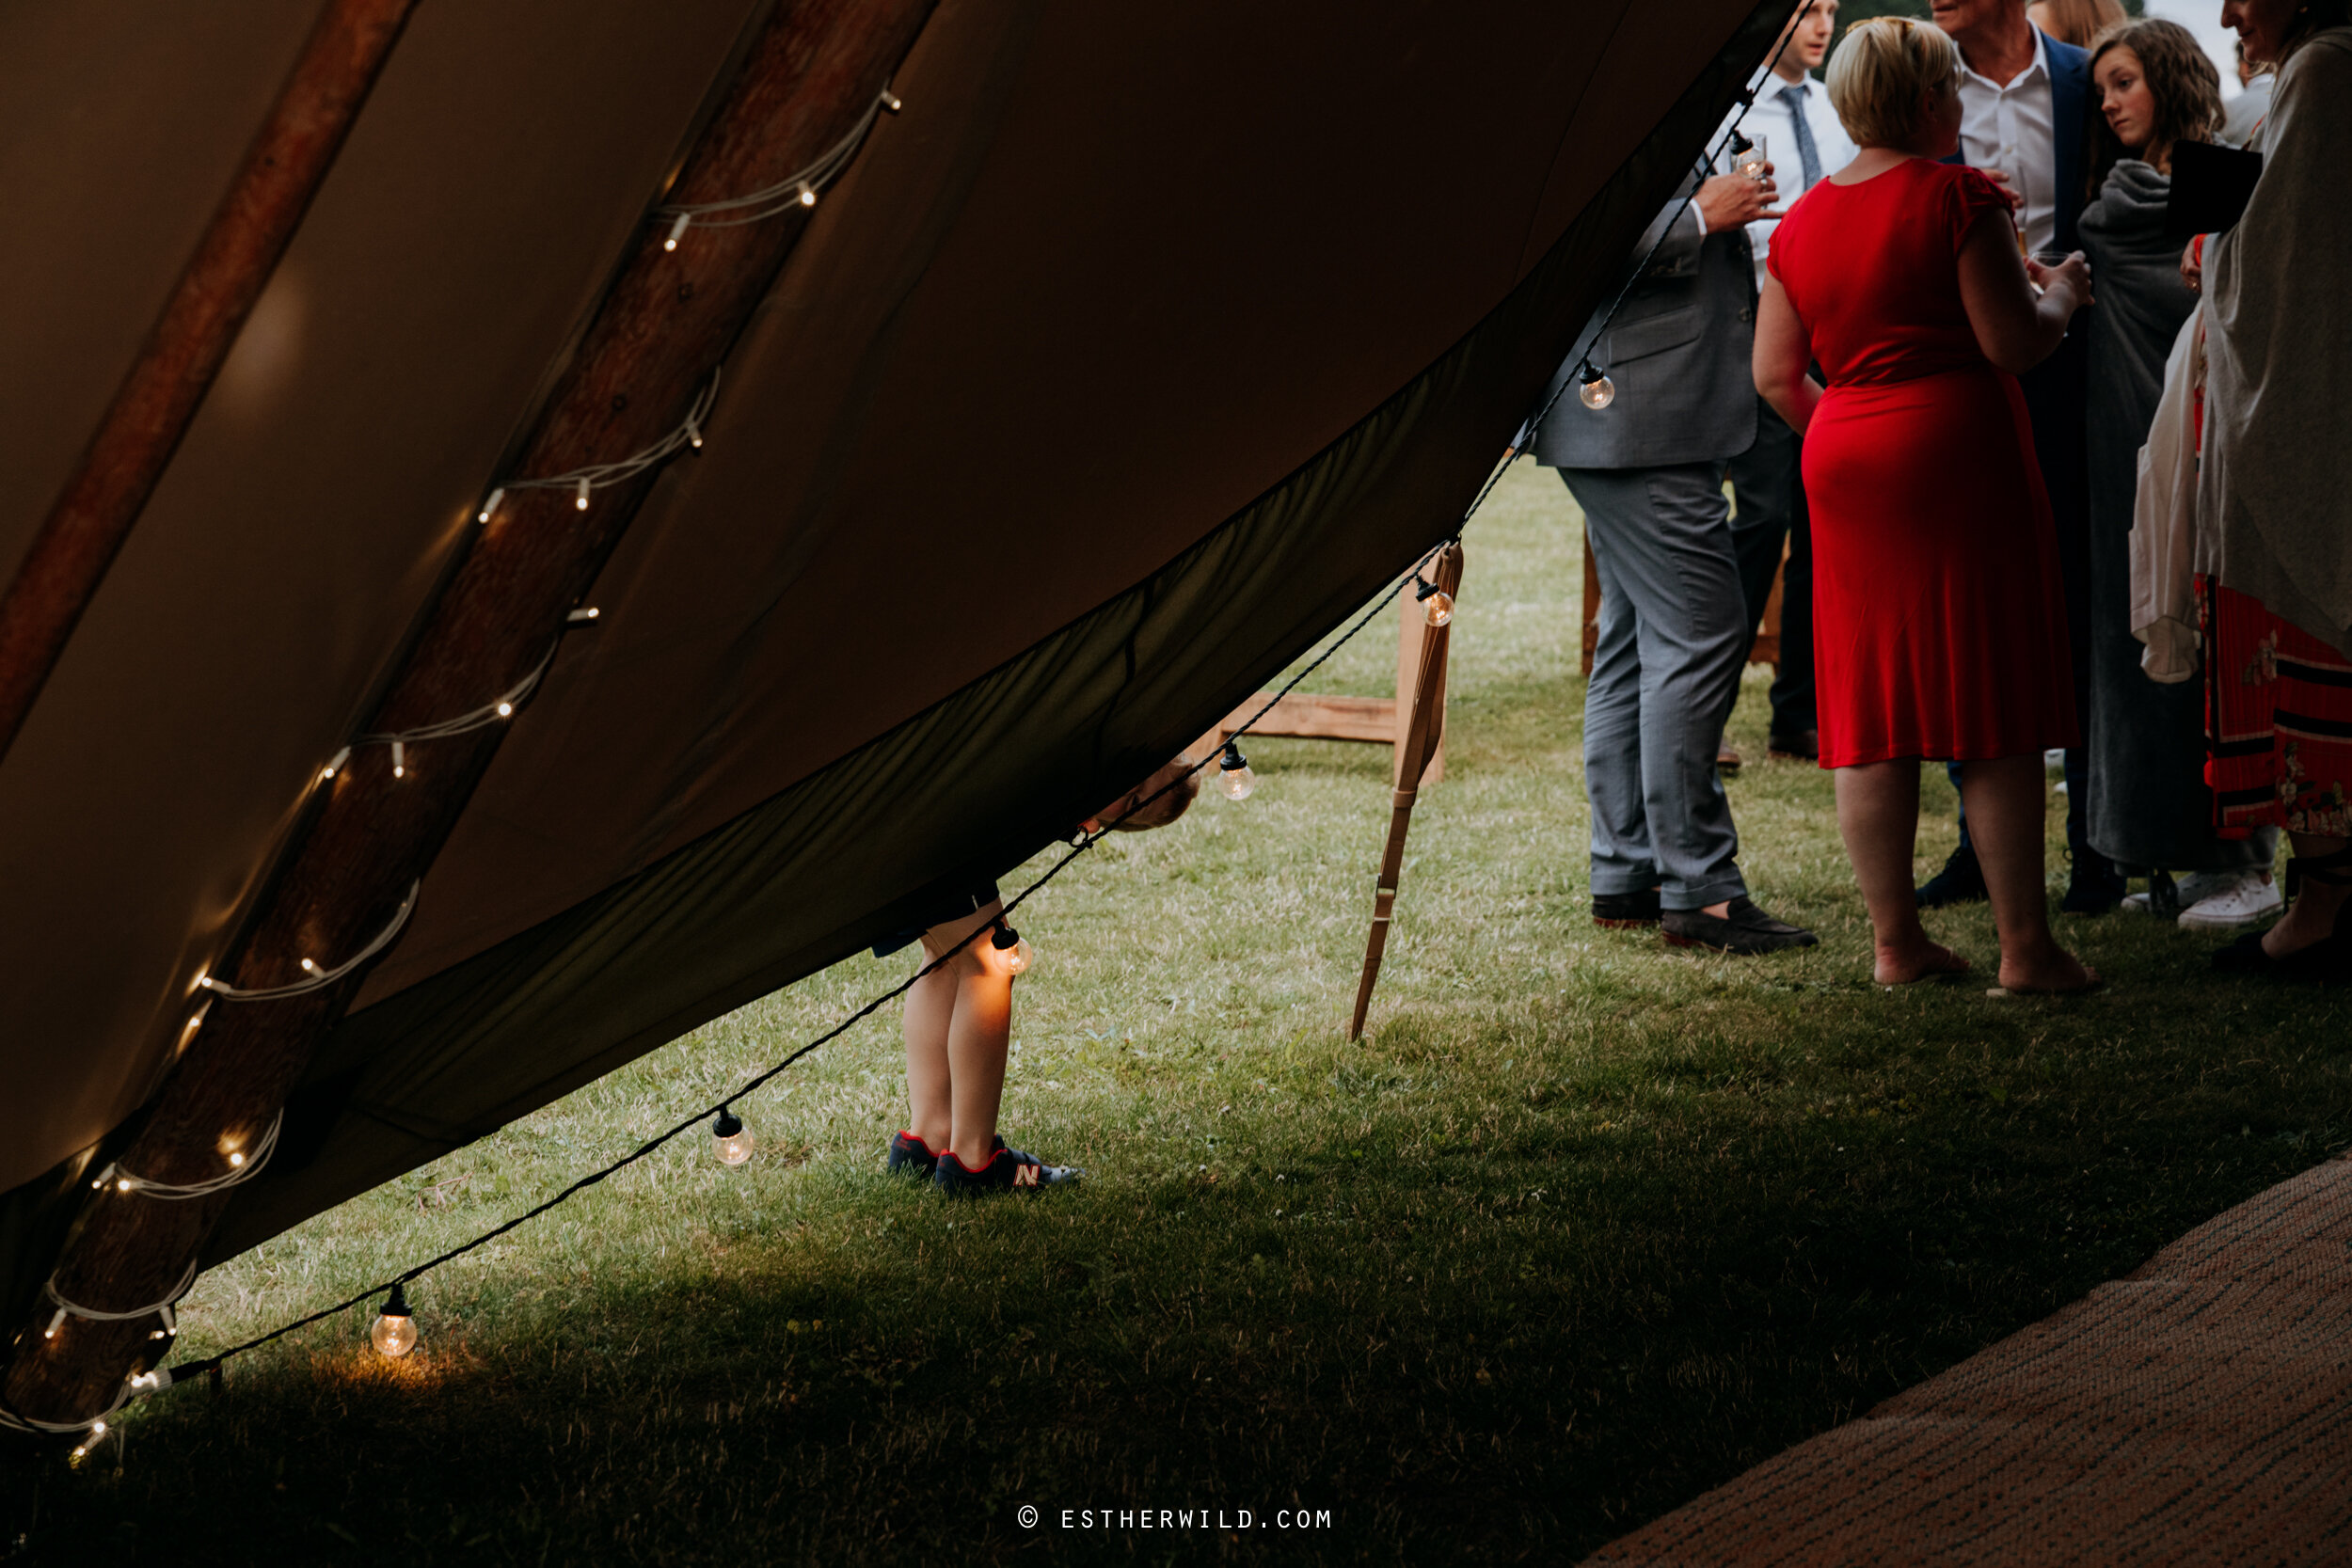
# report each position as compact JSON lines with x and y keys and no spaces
{"x":1920,"y":960}
{"x":2301,"y":926}
{"x":2050,"y":971}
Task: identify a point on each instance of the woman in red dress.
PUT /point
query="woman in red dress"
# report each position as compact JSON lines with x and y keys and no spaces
{"x":1939,"y":627}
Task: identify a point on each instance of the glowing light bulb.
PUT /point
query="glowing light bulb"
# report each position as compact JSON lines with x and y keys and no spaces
{"x":1598,"y":391}
{"x":1438,"y":609}
{"x":694,"y":435}
{"x":236,"y":1159}
{"x":123,"y":1185}
{"x":581,"y":617}
{"x":56,"y":1321}
{"x":1015,"y":947}
{"x":395,"y":1331}
{"x":400,"y":760}
{"x":677,"y":230}
{"x":309,"y":967}
{"x":579,"y":496}
{"x":98,"y":1428}
{"x":808,"y":194}
{"x":334,"y":766}
{"x":1233,"y":775}
{"x":730,"y":1140}
{"x":491,"y":505}
{"x":506,"y":711}
{"x":892,"y":101}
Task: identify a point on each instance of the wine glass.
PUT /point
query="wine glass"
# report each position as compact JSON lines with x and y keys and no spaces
{"x":1750,"y":160}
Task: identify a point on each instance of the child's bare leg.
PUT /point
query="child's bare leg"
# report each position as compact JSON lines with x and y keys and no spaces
{"x":973,"y":1040}
{"x":977,"y":1047}
{"x":929,"y":1007}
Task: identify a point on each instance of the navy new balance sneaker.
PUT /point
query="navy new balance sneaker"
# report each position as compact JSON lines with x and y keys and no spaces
{"x":910,"y":1156}
{"x":1009,"y":1171}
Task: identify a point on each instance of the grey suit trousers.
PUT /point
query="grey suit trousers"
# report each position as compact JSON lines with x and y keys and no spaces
{"x":1674,"y":638}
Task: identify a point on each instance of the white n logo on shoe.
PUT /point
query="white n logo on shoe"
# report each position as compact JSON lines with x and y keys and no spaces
{"x":1026,"y":1176}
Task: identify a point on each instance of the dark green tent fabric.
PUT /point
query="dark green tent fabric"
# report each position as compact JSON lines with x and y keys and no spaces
{"x":728,"y":890}
{"x":979,"y":781}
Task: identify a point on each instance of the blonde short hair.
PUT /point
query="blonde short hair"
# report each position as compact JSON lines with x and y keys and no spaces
{"x":1883,"y":68}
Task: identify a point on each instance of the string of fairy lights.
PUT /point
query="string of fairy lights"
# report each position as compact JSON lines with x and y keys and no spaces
{"x":796,"y":191}
{"x":394,"y":1332}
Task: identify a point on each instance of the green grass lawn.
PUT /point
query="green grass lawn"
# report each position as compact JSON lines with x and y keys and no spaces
{"x":1584,"y":1226}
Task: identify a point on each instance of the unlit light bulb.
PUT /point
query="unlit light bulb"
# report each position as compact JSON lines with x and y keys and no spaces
{"x":1015,"y":946}
{"x":1233,"y":775}
{"x":1598,"y":391}
{"x":395,"y":1331}
{"x":1437,"y":608}
{"x":730,"y":1140}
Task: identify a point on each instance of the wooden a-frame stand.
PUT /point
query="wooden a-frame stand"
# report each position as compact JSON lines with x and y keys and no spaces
{"x":1413,"y":722}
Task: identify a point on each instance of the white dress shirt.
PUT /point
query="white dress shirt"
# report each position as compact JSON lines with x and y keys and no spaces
{"x":2011,"y":126}
{"x":1773,"y":118}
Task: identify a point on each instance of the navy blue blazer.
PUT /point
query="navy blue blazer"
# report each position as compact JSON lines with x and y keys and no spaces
{"x":2070,"y":106}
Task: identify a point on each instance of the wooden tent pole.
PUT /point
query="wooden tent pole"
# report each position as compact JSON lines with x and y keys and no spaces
{"x":152,"y":410}
{"x":370,"y":830}
{"x":1424,"y":730}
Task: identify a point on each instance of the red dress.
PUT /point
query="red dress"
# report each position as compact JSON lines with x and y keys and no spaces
{"x":1939,"y":623}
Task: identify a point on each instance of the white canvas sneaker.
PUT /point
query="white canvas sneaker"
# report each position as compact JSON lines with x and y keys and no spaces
{"x":2245,"y":898}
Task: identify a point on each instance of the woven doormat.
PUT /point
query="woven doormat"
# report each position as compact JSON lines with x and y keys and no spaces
{"x":2198,"y":1411}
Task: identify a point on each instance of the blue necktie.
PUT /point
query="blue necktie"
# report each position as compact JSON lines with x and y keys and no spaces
{"x":1808,"y":155}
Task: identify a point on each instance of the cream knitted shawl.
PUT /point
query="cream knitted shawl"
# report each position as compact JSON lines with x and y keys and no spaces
{"x":2275,"y":486}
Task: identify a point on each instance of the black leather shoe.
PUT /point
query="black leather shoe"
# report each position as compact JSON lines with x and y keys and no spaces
{"x":1742,"y":928}
{"x":1795,"y":743}
{"x":2321,"y":962}
{"x":2092,"y":891}
{"x":1626,"y":908}
{"x":1961,"y":881}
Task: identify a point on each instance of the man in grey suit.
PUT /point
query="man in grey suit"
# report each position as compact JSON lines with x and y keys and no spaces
{"x":1647,"y":468}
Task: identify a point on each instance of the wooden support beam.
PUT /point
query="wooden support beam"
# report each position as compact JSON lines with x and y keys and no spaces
{"x":369,"y":837}
{"x":1310,"y":716}
{"x":1423,"y":729}
{"x":152,"y":410}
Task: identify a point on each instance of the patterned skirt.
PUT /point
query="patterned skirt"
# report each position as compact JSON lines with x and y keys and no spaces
{"x":2278,"y":721}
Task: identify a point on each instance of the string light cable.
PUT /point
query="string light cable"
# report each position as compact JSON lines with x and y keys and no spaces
{"x":1594,"y":387}
{"x":797,"y":189}
{"x":242,"y":1168}
{"x":159,"y":1310}
{"x":600,"y":476}
{"x":317,"y":978}
{"x":185,"y":1372}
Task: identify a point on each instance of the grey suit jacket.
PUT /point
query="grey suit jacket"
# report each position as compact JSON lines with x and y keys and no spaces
{"x":1679,"y":352}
